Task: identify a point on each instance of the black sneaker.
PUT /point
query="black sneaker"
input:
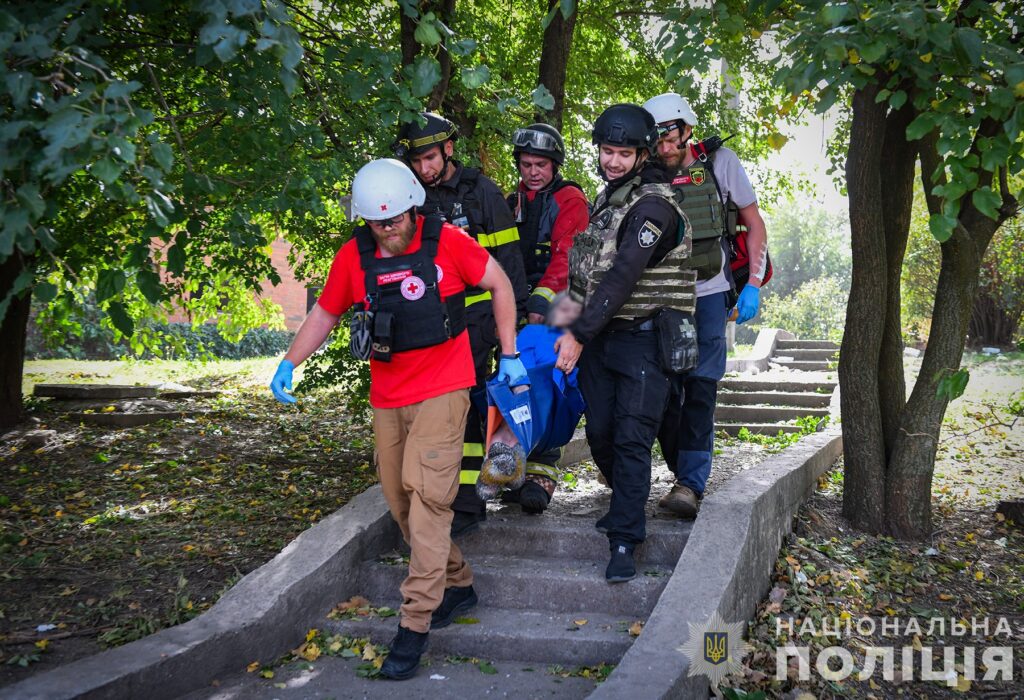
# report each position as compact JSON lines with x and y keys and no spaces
{"x":465,"y":522}
{"x":456,"y":600}
{"x":404,"y":658}
{"x":621,"y":567}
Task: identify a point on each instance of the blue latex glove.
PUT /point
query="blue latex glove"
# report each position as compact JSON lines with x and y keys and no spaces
{"x":512,"y":370}
{"x":281,"y":384}
{"x":748,"y":303}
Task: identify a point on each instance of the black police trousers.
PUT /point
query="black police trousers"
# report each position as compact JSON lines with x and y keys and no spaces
{"x":626,"y":393}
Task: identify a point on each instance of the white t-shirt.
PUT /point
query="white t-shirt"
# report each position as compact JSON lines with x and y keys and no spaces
{"x":733,"y":182}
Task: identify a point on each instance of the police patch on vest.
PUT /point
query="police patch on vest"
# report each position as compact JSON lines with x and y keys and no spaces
{"x":648,"y":235}
{"x":697,"y":175}
{"x":413,"y":288}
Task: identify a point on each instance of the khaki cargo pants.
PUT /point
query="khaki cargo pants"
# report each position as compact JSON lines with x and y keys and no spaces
{"x":419,"y":451}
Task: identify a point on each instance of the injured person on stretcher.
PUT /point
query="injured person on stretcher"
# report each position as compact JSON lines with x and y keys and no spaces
{"x":538,"y":416}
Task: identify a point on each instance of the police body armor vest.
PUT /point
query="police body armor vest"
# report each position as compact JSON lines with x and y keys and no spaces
{"x":702,"y":203}
{"x":535,"y":221}
{"x":669,"y":284}
{"x":403,"y":295}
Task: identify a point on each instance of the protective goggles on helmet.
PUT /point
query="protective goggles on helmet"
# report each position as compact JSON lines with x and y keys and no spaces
{"x":528,"y":138}
{"x":666,"y":129}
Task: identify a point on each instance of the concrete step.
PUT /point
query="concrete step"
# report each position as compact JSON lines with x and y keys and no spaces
{"x":764,"y":414}
{"x":519,"y":635}
{"x":807,"y":345}
{"x":773,"y":398}
{"x":812,"y":355}
{"x":805,"y":366}
{"x":568,"y":538}
{"x":537,"y":584}
{"x":814,"y":387}
{"x":759,"y":428}
{"x":96,"y":392}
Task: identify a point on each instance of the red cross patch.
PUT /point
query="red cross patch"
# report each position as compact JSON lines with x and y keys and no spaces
{"x":413,"y":288}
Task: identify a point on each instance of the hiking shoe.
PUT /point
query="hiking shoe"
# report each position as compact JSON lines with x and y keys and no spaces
{"x":621,"y":567}
{"x":404,"y":658}
{"x":681,"y":500}
{"x":456,"y":600}
{"x":465,"y":522}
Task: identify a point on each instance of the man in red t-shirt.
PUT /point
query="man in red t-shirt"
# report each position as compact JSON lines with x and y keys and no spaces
{"x":406,"y":277}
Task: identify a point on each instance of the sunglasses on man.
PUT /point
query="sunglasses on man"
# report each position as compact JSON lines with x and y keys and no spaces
{"x":388,"y":223}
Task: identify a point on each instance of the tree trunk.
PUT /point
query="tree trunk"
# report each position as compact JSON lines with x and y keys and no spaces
{"x":863,"y":441}
{"x":991,"y":325}
{"x":444,"y":10}
{"x":899,"y":161}
{"x":12,"y":349}
{"x":909,"y":475}
{"x":554,"y":60}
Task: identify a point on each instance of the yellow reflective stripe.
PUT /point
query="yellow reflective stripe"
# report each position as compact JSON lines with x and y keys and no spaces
{"x":547,"y":470}
{"x":509,"y":235}
{"x":468,"y":477}
{"x":493,"y":240}
{"x":548,"y":294}
{"x":476,"y":298}
{"x":472,"y":449}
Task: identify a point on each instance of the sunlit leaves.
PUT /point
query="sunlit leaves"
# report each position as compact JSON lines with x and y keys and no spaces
{"x":543,"y":98}
{"x":425,"y":75}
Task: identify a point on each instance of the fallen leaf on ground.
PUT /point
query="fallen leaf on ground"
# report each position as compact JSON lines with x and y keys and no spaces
{"x":636,"y":628}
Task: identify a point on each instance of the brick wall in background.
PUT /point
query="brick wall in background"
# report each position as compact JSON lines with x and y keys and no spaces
{"x":290,"y":294}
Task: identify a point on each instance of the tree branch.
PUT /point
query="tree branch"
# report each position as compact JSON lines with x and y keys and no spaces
{"x":170,"y":116}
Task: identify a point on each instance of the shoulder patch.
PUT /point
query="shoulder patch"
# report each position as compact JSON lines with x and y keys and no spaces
{"x":648,"y":234}
{"x":697,"y":175}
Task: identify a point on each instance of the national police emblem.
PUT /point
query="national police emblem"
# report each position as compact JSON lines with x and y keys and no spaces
{"x":715,"y":648}
{"x":648,"y":235}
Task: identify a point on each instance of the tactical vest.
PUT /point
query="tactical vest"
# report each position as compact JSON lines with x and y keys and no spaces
{"x":535,"y":220}
{"x":669,"y":284}
{"x":702,"y":202}
{"x":403,"y":295}
{"x":466,"y":211}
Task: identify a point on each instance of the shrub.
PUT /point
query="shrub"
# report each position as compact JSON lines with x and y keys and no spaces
{"x":817,"y":309}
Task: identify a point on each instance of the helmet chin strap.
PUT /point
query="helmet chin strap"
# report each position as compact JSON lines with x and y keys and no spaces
{"x":620,"y":180}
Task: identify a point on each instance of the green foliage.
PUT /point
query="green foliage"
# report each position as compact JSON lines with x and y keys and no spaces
{"x":775,"y":443}
{"x":334,"y":365}
{"x":951,"y":385}
{"x":806,"y":244}
{"x":85,"y":336}
{"x":816,"y":309}
{"x":956,"y":64}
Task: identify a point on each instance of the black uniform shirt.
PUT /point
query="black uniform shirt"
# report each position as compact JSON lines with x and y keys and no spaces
{"x":650,"y":217}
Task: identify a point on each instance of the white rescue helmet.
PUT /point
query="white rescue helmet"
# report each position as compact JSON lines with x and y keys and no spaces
{"x":670,"y":107}
{"x":385,"y":188}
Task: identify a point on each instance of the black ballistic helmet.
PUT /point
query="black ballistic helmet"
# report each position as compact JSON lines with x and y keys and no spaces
{"x":540,"y":140}
{"x":413,"y":138}
{"x":628,"y":126}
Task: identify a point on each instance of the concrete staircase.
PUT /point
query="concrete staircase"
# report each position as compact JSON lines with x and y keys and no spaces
{"x":772,"y":400}
{"x":543,"y":596}
{"x":807,"y":355}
